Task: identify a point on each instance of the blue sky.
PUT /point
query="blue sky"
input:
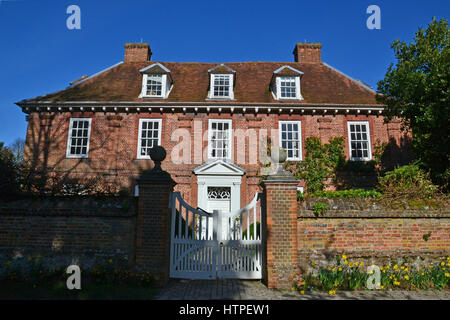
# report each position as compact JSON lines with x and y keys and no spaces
{"x":39,"y":55}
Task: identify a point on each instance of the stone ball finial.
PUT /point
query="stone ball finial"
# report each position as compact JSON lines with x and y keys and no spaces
{"x":279,"y":155}
{"x":158,"y":154}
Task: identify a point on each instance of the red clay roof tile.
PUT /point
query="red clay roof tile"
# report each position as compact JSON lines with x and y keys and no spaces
{"x":319,"y":84}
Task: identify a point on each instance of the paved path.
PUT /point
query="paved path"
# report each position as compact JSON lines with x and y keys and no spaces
{"x":254,"y":290}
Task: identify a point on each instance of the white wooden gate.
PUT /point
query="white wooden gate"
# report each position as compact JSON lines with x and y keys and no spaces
{"x":217,"y":245}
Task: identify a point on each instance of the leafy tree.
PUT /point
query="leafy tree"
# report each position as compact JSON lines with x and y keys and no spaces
{"x":17,"y":148}
{"x":417,"y":91}
{"x":8,"y":173}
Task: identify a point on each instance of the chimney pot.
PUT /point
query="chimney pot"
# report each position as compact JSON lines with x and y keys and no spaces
{"x":137,"y":52}
{"x":308,"y":52}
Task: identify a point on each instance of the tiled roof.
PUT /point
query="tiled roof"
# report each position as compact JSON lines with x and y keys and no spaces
{"x":320,"y":84}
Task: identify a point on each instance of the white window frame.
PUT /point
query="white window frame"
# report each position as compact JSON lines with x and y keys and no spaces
{"x":299,"y":123}
{"x":230,"y":138}
{"x":297,"y":88}
{"x":69,"y":139}
{"x":369,"y":149}
{"x":230,"y":86}
{"x":141,"y":120}
{"x":164,"y":86}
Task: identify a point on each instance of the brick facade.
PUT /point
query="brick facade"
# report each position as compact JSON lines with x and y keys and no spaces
{"x":114,"y":142}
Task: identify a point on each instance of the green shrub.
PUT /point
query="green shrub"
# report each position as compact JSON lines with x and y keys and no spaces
{"x":346,"y":194}
{"x":300,"y":196}
{"x":408,"y":182}
{"x":320,"y":208}
{"x":320,"y":162}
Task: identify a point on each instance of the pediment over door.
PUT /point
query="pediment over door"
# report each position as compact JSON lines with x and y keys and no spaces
{"x":219,"y":167}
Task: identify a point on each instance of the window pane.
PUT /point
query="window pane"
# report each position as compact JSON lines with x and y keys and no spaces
{"x":219,"y":141}
{"x":359,"y":141}
{"x":149,"y":136}
{"x":288,"y":87}
{"x":290,"y":138}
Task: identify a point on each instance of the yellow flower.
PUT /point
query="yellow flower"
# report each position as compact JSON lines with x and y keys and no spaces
{"x":381,"y":287}
{"x":406,"y":269}
{"x":387,"y":267}
{"x":110,"y":260}
{"x":303,"y":283}
{"x":350,"y":265}
{"x":402,"y":267}
{"x":406,"y":277}
{"x":344,"y":257}
{"x":396,"y":283}
{"x":302,"y":292}
{"x":331,"y":266}
{"x":356,"y":263}
{"x":334,"y":269}
{"x":442,"y":263}
{"x":346,"y":262}
{"x":371,"y":272}
{"x":395,"y":267}
{"x":362,"y":263}
{"x":340,"y":269}
{"x":423,"y":273}
{"x":313,"y":264}
{"x":447,"y":275}
{"x":381,"y":268}
{"x":332,"y":292}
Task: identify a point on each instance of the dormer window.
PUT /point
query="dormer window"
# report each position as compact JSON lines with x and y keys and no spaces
{"x":286,"y":84}
{"x":154,"y":85}
{"x":221,"y":83}
{"x":288,"y":87}
{"x":156,"y":82}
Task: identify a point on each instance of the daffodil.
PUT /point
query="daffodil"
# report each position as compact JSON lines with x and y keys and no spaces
{"x":302,"y":292}
{"x":340,"y":269}
{"x":406,"y":277}
{"x":344,"y":257}
{"x":346,"y":262}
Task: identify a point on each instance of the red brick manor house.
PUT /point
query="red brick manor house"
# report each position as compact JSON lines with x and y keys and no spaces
{"x":105,"y":124}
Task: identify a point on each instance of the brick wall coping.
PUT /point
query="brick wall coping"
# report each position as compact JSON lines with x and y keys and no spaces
{"x":70,"y":206}
{"x":368,"y":209}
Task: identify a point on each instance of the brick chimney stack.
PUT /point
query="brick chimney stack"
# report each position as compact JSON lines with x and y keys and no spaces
{"x":137,"y":52}
{"x":308,"y":52}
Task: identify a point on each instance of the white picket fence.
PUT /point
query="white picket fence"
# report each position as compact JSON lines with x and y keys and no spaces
{"x":217,"y":245}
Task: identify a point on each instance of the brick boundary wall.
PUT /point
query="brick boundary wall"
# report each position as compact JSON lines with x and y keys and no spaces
{"x":84,"y":229}
{"x":367,"y":231}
